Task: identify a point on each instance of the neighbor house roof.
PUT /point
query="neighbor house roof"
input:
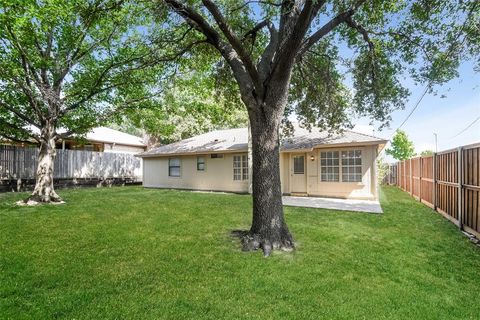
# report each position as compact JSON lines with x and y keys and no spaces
{"x":107,"y":135}
{"x":234,"y":140}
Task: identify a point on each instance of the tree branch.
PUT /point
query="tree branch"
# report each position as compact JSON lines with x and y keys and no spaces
{"x":329,"y":26}
{"x":233,"y":40}
{"x":195,"y":20}
{"x":240,"y":7}
{"x":17,"y":128}
{"x":257,"y":28}
{"x":353,"y":24}
{"x":19,"y":114}
{"x":264,"y":65}
{"x":13,"y":139}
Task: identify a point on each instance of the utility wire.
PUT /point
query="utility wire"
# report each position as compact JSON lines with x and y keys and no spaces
{"x":429,"y":83}
{"x":427,"y":87}
{"x":468,"y":127}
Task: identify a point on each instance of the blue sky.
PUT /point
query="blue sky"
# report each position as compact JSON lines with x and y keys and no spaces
{"x":446,"y":116}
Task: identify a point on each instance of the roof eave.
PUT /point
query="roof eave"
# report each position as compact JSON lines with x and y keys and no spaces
{"x":193,"y":153}
{"x":336,"y":145}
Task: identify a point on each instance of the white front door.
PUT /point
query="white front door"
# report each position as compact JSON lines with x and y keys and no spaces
{"x":298,"y":174}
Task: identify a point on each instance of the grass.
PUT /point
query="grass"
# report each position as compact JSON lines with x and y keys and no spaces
{"x":152,"y":254}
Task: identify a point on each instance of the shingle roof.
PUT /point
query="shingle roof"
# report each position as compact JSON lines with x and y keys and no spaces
{"x":231,"y":140}
{"x":103,"y":134}
{"x":303,"y":139}
{"x":219,"y":140}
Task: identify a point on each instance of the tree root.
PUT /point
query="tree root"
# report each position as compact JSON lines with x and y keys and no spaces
{"x":35,"y":198}
{"x":254,"y":241}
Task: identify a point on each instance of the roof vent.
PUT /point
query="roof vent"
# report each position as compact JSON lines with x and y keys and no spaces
{"x":216,"y":140}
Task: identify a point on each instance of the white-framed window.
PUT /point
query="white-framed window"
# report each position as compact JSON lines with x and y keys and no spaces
{"x":201,"y":163}
{"x":240,"y":167}
{"x":298,"y":164}
{"x":330,"y":166}
{"x":352,"y":166}
{"x":174,"y":167}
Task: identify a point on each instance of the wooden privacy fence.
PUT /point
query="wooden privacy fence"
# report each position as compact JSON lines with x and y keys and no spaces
{"x":21,"y":162}
{"x":390,"y":177}
{"x":448,"y":182}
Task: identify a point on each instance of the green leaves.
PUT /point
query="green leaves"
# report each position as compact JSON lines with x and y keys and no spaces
{"x":72,"y":62}
{"x":189,"y":105}
{"x":318,"y":95}
{"x":402,"y":148}
{"x":378,"y":90}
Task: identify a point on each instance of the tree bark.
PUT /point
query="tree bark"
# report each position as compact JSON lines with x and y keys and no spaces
{"x":269,"y":230}
{"x":44,"y":191}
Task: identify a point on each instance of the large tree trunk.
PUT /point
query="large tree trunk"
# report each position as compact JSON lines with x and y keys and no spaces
{"x":44,"y":191}
{"x":269,"y":230}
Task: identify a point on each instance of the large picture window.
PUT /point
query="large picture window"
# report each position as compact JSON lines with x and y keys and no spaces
{"x":240,"y":168}
{"x":330,"y":166}
{"x":352,"y":166}
{"x":174,"y":167}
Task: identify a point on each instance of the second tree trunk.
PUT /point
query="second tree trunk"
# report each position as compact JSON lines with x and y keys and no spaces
{"x":44,"y":190}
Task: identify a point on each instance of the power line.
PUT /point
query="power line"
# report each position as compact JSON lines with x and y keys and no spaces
{"x":413,"y":110}
{"x":427,"y":87}
{"x":468,"y":127}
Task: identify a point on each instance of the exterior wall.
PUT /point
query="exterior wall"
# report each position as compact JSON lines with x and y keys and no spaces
{"x":285,"y":172}
{"x":366,"y":189}
{"x":218,"y":174}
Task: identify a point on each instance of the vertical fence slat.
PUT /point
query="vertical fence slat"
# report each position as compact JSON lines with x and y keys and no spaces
{"x":447,"y":181}
{"x":20,"y":163}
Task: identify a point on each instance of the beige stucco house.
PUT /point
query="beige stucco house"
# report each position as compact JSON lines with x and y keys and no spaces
{"x":311,"y":163}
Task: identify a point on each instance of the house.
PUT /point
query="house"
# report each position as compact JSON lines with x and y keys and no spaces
{"x":311,"y":163}
{"x":102,"y":139}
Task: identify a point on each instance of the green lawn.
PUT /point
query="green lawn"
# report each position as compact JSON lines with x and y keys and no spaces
{"x":139,"y":253}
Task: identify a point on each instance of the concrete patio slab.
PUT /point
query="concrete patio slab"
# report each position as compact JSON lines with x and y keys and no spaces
{"x":336,"y":204}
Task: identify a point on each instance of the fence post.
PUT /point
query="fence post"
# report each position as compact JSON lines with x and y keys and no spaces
{"x":420,"y":165}
{"x":14,"y":167}
{"x":460,"y":186}
{"x":434,"y":165}
{"x":411,"y":177}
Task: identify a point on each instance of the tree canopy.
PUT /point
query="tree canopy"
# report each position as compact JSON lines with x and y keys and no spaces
{"x":70,"y":62}
{"x":426,"y":153}
{"x":190,"y":104}
{"x":353,"y":58}
{"x":402,"y":148}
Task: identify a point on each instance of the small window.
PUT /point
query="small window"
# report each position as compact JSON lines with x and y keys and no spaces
{"x":240,"y":168}
{"x":200,"y":163}
{"x":216,"y":155}
{"x":298,"y":164}
{"x":174,"y":167}
{"x":330,"y":166}
{"x":352,"y":166}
